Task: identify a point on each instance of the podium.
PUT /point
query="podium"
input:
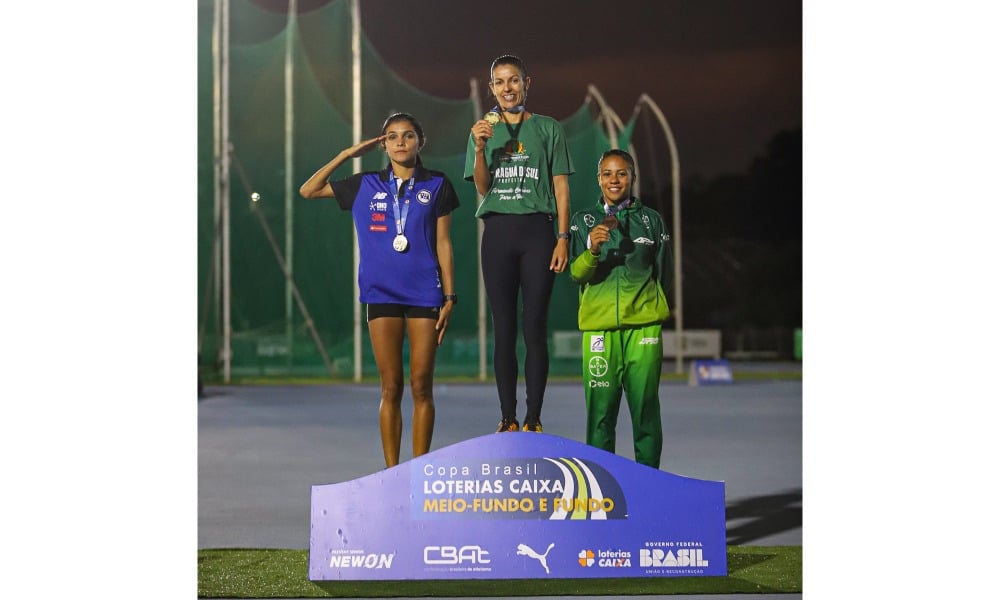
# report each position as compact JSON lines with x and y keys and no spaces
{"x":517,"y":505}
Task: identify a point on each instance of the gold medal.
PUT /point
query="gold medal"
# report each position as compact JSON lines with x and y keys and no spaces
{"x":492,"y":118}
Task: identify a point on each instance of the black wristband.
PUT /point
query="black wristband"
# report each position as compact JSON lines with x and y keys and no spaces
{"x":451,"y":297}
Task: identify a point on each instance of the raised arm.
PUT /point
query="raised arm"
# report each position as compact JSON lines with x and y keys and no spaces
{"x":481,"y":131}
{"x":318,"y":186}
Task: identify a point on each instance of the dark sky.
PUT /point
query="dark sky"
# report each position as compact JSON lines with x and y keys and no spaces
{"x":727,"y":74}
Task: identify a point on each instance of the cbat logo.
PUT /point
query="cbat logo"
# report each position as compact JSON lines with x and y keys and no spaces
{"x":597,"y":366}
{"x":423,"y":197}
{"x":586,"y":558}
{"x":597,"y":343}
{"x":453,"y":555}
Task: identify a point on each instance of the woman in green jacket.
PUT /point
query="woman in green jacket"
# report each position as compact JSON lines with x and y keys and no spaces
{"x":621,"y":258}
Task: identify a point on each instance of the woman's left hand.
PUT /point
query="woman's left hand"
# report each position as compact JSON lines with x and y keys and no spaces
{"x":442,"y":322}
{"x":560,"y":256}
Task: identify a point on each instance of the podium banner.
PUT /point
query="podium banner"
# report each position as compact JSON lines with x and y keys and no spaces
{"x":710,"y":372}
{"x":517,"y":506}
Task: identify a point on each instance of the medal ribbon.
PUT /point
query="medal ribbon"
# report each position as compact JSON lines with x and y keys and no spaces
{"x":401,"y":222}
{"x":612,"y":210}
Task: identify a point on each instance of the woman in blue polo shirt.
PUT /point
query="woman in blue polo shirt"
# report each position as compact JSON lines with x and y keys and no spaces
{"x":406,"y":273}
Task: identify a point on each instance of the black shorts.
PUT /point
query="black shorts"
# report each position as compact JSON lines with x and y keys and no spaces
{"x":402,"y":310}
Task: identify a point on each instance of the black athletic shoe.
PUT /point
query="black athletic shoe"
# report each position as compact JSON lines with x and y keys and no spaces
{"x":535,"y":426}
{"x":508,"y":425}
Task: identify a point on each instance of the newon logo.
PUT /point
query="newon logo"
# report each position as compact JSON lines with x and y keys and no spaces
{"x":359,"y":559}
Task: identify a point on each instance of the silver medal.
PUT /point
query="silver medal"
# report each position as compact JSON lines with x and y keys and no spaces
{"x":399,"y":243}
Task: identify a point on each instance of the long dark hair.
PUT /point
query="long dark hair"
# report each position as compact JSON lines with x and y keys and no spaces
{"x":510,"y":59}
{"x":402,"y":116}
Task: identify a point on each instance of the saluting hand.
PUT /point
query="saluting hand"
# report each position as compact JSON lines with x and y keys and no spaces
{"x":364,"y":147}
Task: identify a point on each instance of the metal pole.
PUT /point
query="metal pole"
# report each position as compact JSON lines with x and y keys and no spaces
{"x":220,"y":50}
{"x":607,"y":115}
{"x":477,"y":106}
{"x":217,"y":151}
{"x":611,"y":120}
{"x":356,"y":127}
{"x":289,"y":163}
{"x":675,"y":170}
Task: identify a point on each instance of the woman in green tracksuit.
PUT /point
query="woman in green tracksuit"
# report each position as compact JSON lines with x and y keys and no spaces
{"x":620,"y":256}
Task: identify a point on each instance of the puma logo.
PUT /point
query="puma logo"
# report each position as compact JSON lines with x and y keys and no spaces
{"x":525,"y":550}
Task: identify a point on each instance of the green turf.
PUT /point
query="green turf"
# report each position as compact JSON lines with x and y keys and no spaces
{"x":264,"y":573}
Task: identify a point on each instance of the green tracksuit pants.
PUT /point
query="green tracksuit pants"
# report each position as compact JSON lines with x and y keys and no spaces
{"x":628,"y":360}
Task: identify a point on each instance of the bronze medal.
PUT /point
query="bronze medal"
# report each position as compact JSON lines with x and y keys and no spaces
{"x":610,"y":222}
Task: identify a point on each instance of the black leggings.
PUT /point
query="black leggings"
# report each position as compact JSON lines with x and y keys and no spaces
{"x":516,"y":253}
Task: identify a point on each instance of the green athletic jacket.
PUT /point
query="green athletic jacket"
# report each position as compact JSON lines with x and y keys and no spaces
{"x":624,"y":287}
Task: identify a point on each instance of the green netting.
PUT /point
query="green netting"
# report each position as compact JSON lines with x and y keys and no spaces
{"x":269,"y":332}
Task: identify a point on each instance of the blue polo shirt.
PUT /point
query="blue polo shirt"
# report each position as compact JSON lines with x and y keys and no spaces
{"x":386,"y":276}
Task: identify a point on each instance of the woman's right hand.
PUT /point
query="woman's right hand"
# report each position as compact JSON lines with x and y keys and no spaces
{"x":481,"y":131}
{"x":598,"y":235}
{"x":364,"y":147}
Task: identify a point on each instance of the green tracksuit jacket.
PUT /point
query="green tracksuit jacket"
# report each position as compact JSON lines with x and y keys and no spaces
{"x":622,"y":309}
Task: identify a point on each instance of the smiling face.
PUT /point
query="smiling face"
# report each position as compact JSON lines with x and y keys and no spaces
{"x":402,"y":142}
{"x":509,"y":86}
{"x":614,"y":176}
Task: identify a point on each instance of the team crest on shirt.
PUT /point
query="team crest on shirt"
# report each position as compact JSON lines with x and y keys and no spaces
{"x":589,"y":220}
{"x":513,"y":147}
{"x":423,"y":197}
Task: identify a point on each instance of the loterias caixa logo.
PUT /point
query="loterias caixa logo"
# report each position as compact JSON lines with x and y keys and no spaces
{"x":564,"y":488}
